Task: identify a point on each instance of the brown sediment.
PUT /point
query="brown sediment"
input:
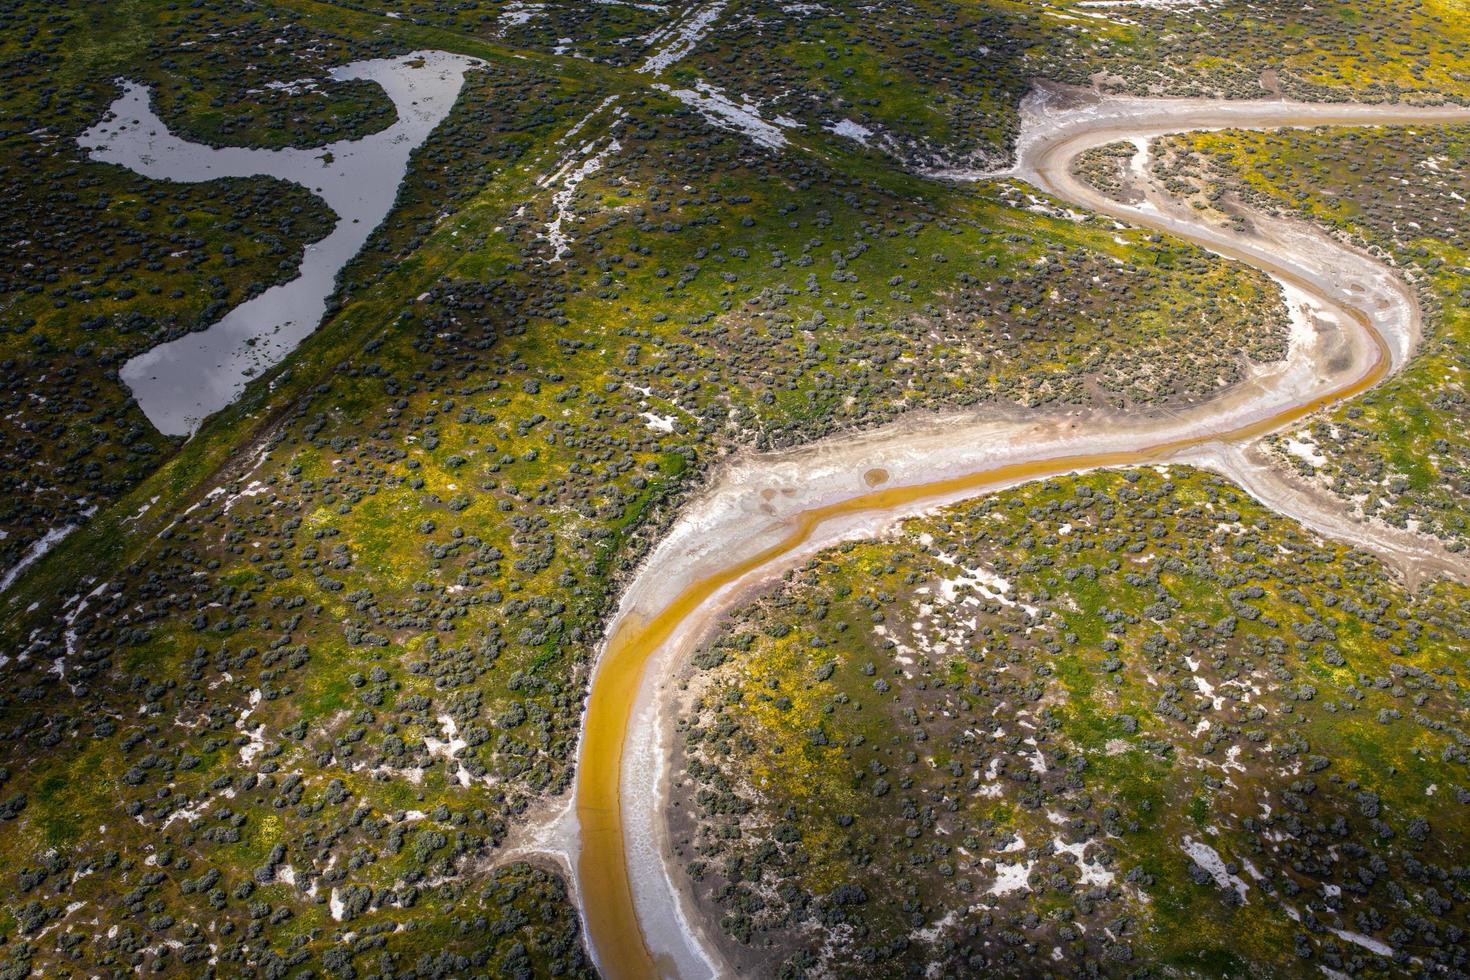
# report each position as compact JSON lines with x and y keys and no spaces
{"x":653,"y":628}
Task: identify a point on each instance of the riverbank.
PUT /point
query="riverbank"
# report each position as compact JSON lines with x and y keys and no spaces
{"x":764,"y":514}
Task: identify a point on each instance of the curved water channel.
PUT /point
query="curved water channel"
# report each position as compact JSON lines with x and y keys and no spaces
{"x":1354,"y":321}
{"x":178,"y":383}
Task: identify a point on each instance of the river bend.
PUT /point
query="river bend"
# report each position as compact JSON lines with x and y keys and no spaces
{"x":1355,"y":322}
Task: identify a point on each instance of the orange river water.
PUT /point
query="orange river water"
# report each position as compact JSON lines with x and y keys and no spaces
{"x":601,"y":866}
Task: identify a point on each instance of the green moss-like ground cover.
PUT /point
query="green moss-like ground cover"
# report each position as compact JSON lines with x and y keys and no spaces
{"x":283,"y":716}
{"x":1010,"y":728}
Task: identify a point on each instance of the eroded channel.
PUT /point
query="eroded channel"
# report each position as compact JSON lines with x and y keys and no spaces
{"x":765,"y":514}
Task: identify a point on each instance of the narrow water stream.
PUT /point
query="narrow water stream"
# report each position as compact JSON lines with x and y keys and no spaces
{"x":763,"y":515}
{"x":178,"y":383}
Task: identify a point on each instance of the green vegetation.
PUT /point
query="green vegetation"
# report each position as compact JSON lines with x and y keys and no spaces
{"x":1132,"y":717}
{"x":402,"y":595}
{"x":1400,"y":454}
{"x":275,"y":708}
{"x":618,"y":33}
{"x":105,"y":264}
{"x":937,"y":82}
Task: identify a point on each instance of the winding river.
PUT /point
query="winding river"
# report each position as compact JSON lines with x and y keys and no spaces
{"x":1354,"y":322}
